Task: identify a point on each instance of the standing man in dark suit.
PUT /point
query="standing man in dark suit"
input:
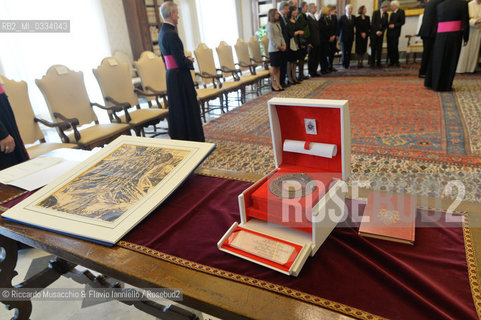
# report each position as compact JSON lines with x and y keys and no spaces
{"x":283,"y":10}
{"x":346,"y":35}
{"x":324,"y":39}
{"x":314,"y":51}
{"x":184,"y":113}
{"x":333,"y":36}
{"x":396,"y":21}
{"x":427,"y":32}
{"x":378,"y":26}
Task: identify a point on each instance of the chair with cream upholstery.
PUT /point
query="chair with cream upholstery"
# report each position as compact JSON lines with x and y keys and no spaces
{"x":26,"y":121}
{"x":152,"y":72}
{"x":228,"y":68}
{"x":415,"y":43}
{"x":67,"y":100}
{"x":259,"y":59}
{"x":117,"y":89}
{"x":208,"y":71}
{"x":204,"y":95}
{"x":265,"y":45}
{"x":256,"y":55}
{"x":245,"y":62}
{"x":126,"y":58}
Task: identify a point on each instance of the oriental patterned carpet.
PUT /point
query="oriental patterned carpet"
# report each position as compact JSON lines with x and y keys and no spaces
{"x":400,"y":131}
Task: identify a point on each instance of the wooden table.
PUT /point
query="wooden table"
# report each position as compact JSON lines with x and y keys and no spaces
{"x":219,"y":297}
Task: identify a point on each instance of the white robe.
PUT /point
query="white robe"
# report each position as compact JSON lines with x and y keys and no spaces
{"x":468,"y":58}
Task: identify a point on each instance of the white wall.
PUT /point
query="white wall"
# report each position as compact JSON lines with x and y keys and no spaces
{"x":245,"y":16}
{"x":188,"y":30}
{"x":116,"y":26}
{"x":27,"y":56}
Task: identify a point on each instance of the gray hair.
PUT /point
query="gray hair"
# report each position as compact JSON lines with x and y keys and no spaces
{"x":167,"y":9}
{"x":348,"y":6}
{"x":385,"y":4}
{"x":283,"y":4}
{"x":396,"y":3}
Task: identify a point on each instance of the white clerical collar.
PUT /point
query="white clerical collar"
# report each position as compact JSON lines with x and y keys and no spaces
{"x":311,"y":15}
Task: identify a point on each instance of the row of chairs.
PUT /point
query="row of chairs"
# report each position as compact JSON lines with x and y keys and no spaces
{"x":72,"y":112}
{"x":250,"y":70}
{"x":69,"y":105}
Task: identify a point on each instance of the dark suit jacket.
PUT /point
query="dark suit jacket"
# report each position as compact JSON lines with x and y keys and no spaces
{"x":346,"y":28}
{"x":430,"y":23}
{"x":398,"y":19}
{"x":379,"y":23}
{"x":333,"y":26}
{"x":285,"y":31}
{"x":324,"y":31}
{"x":314,"y":37}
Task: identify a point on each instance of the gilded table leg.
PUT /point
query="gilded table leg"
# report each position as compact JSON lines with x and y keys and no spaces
{"x":8,"y":261}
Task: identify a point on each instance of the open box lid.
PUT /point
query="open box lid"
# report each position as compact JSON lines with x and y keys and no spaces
{"x":312,"y":121}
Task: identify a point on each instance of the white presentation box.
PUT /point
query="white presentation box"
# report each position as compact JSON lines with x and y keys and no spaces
{"x":288,"y":214}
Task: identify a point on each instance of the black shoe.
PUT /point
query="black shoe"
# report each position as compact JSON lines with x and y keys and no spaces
{"x":324,"y":72}
{"x":275,"y":90}
{"x":333,"y":69}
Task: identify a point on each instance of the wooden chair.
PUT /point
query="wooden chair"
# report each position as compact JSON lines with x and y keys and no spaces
{"x":26,"y":121}
{"x":126,"y":58}
{"x":257,"y":58}
{"x":67,"y":100}
{"x":209,"y":73}
{"x":117,"y":89}
{"x":228,"y":68}
{"x":265,"y":45}
{"x":152,"y":72}
{"x":256,"y":54}
{"x":204,"y":95}
{"x":245,"y":62}
{"x":414,"y":46}
{"x":415,"y":43}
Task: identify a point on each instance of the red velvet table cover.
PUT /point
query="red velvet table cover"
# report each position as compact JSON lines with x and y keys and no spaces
{"x":349,"y":273}
{"x":426,"y":281}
